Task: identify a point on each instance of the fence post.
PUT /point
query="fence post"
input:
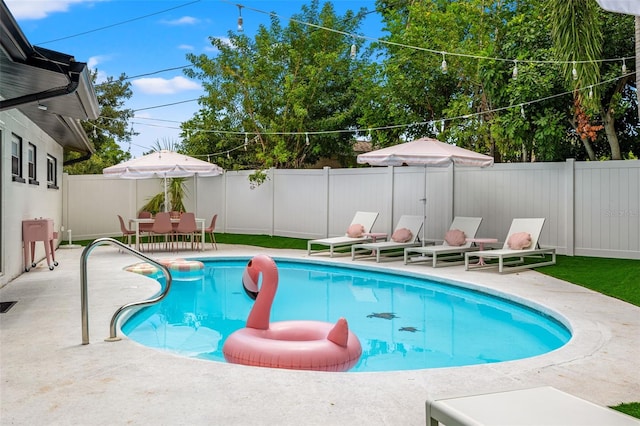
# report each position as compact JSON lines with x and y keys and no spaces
{"x":570,"y":205}
{"x":326,"y":170}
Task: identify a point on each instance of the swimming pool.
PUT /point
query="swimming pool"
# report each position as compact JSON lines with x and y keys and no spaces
{"x":404,"y":321}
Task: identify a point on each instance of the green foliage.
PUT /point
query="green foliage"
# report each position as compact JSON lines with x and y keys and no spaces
{"x":278,"y":92}
{"x":490,"y":110}
{"x":176,"y":191}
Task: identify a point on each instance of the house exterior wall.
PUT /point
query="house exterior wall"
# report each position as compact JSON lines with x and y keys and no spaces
{"x":25,"y":200}
{"x":591,"y":208}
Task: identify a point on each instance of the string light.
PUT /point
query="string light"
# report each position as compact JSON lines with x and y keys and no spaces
{"x":306,"y":139}
{"x":443,"y":66}
{"x":522,"y":112}
{"x":424,"y":49}
{"x":354,"y":50}
{"x":381,"y":128}
{"x":624,"y":67}
{"x":590,"y":92}
{"x":240,"y":21}
{"x":514,"y":74}
{"x":246,"y":141}
{"x":574,"y":71}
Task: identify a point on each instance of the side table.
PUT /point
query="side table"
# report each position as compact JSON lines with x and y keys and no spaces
{"x":481,"y":242}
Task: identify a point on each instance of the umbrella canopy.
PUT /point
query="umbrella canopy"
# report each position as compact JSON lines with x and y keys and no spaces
{"x":629,"y":7}
{"x":425,"y":152}
{"x":163,"y":164}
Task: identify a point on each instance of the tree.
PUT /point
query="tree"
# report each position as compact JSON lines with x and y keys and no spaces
{"x":110,"y":127}
{"x":278,"y":99}
{"x":467,"y":103}
{"x":481,"y":102}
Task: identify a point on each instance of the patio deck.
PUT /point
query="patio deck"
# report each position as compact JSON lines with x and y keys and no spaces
{"x":48,"y":377}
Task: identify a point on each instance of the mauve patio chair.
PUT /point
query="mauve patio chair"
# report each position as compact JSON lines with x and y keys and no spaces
{"x":186,"y":228}
{"x":210,"y":231}
{"x":162,"y":226}
{"x":126,"y":232}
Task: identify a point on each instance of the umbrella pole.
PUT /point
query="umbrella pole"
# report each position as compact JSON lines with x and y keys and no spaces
{"x":424,"y":207}
{"x":166,"y":200}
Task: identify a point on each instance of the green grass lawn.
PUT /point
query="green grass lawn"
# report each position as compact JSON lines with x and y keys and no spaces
{"x":613,"y":277}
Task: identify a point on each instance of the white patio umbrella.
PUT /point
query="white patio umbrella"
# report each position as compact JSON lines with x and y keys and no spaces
{"x":425,"y":152}
{"x":163,"y":164}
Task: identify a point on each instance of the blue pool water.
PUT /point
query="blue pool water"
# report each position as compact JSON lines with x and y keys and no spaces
{"x":403,"y":322}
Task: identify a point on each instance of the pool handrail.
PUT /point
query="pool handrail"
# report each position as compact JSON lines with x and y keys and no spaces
{"x":84,"y":296}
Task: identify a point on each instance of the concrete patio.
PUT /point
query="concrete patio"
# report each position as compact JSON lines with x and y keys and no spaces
{"x":48,"y":377}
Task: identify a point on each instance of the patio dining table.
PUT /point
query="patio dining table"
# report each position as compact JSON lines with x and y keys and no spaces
{"x":137,"y":221}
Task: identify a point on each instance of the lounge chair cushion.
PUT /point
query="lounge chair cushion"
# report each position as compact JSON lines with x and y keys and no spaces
{"x":519,"y":241}
{"x":402,"y":235}
{"x":455,"y":237}
{"x":355,"y":230}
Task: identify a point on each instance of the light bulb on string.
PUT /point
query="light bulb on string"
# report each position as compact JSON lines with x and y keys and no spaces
{"x":246,"y":141}
{"x":590,"y":92}
{"x":444,"y":66}
{"x":354,"y":50}
{"x":306,"y":139}
{"x":522,"y":111}
{"x":514,"y":74}
{"x":624,"y":67}
{"x":228,"y":156}
{"x":240,"y":21}
{"x":442,"y":126}
{"x":208,"y":158}
{"x":574,"y":71}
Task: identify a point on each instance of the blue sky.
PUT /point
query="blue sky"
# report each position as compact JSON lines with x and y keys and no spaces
{"x":141,"y":37}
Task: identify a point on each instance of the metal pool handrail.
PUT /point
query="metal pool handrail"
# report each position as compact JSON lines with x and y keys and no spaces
{"x":84,"y":297}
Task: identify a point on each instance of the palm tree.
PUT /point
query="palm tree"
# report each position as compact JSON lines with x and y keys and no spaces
{"x":577,"y":36}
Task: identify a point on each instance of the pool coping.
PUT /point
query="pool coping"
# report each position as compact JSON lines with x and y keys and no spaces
{"x":47,"y":374}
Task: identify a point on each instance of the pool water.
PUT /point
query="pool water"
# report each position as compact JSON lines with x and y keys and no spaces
{"x":404,"y":322}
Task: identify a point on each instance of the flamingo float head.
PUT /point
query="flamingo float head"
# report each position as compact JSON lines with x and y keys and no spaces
{"x":260,"y":314}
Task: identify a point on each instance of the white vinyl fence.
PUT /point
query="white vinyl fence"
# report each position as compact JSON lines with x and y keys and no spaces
{"x":591,"y":208}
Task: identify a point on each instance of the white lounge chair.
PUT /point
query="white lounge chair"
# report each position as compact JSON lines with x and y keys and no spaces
{"x":366,"y":219}
{"x":412,"y":223}
{"x":508,"y":255}
{"x":536,"y":406}
{"x":446,"y":254}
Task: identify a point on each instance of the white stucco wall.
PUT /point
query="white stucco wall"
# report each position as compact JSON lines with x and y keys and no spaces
{"x":24,"y":200}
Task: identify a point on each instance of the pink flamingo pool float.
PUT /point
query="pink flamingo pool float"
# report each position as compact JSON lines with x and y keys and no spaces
{"x":297,"y":345}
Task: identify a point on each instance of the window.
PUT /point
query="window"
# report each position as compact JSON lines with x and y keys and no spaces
{"x":16,"y":158}
{"x":31,"y":164}
{"x":52,"y":172}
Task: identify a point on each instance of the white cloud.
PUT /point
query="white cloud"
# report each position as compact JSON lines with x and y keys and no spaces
{"x":185,"y":20}
{"x":185,"y":47}
{"x":161,"y":86}
{"x":95,"y":60}
{"x":22,"y":9}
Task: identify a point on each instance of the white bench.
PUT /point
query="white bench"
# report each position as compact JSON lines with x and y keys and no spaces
{"x":543,"y":406}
